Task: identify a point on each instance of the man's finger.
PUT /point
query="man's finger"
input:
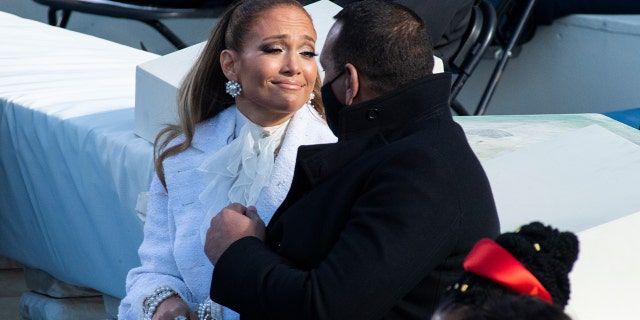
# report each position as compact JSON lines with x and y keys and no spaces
{"x":236,"y":207}
{"x":252,"y":213}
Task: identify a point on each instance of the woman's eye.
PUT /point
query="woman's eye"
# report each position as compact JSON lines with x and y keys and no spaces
{"x":272,"y":50}
{"x":309,"y":54}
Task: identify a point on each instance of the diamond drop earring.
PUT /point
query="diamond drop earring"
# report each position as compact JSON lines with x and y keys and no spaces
{"x":233,"y":88}
{"x":311,"y":97}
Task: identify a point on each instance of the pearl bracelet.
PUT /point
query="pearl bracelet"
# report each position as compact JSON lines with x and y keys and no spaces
{"x":151,"y":302}
{"x":209,"y":310}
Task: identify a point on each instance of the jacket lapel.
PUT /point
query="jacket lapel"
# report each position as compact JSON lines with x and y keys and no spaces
{"x":181,"y":170}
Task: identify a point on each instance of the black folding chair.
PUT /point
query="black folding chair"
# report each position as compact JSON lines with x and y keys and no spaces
{"x":484,"y":30}
{"x":135,"y":10}
{"x":479,"y":34}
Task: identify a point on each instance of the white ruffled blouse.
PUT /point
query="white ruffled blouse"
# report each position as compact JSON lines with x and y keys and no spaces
{"x":239,"y":171}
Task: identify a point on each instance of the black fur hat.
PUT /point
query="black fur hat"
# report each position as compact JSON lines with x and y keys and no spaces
{"x":547,"y":253}
{"x":544,"y":251}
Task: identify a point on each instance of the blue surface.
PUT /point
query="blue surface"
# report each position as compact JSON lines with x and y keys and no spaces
{"x":630,"y":117}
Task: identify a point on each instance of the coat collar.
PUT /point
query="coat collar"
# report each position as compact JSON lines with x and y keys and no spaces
{"x":377,"y":122}
{"x":393,"y":110}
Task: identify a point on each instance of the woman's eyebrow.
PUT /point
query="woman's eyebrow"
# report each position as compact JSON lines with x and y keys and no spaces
{"x":285,"y":36}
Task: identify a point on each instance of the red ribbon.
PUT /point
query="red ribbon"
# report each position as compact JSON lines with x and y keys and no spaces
{"x":490,"y":260}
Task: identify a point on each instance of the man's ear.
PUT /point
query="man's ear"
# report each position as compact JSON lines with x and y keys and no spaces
{"x":228,"y":60}
{"x":352,"y":84}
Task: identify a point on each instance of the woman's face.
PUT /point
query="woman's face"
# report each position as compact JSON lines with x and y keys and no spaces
{"x":277,"y":66}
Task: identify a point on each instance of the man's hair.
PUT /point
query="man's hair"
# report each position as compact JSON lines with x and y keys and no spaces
{"x":386,"y":42}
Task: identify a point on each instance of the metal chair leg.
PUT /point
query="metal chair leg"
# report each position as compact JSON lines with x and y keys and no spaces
{"x":502,"y":63}
{"x":53,"y":17}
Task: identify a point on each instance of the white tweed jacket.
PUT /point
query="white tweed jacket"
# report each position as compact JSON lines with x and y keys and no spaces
{"x":172,"y":253}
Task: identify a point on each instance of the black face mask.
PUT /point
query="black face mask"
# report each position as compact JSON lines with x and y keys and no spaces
{"x":332,"y":105}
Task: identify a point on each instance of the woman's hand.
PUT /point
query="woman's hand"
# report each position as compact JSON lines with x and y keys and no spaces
{"x":172,"y":307}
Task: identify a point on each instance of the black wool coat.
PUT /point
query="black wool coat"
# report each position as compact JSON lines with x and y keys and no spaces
{"x":375,"y":226}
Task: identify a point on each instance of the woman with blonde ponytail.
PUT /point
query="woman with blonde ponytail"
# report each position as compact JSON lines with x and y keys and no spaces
{"x":251,"y":98}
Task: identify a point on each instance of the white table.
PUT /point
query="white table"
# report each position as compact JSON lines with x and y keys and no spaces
{"x":70,"y":166}
{"x":575,"y":171}
{"x":494,"y":136}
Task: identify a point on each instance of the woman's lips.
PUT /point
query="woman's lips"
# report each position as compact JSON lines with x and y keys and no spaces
{"x":287,"y":84}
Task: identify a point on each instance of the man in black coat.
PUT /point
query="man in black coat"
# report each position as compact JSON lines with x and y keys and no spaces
{"x":375,"y":226}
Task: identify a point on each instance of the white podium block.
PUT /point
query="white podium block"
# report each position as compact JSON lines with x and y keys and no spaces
{"x":157,"y":83}
{"x":39,"y":306}
{"x":604,"y":280}
{"x":582,"y":63}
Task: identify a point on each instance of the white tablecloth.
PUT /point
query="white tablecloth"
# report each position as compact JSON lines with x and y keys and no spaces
{"x":71,"y":167}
